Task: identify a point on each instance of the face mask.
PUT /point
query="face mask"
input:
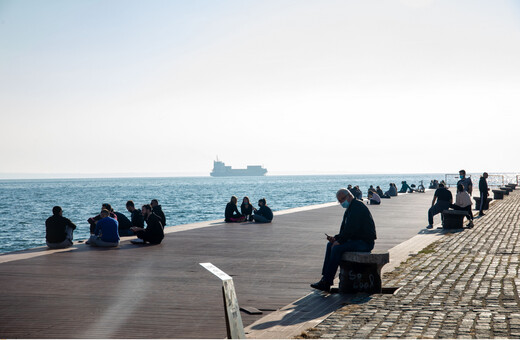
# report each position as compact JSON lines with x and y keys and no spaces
{"x":345,"y":204}
{"x":461,"y":176}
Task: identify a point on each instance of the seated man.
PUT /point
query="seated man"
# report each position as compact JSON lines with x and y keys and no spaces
{"x":374,"y":197}
{"x":58,"y":230}
{"x":392,"y":190}
{"x":136,"y":217}
{"x":124,"y":224}
{"x":154,"y":232}
{"x":93,"y":220}
{"x":357,"y":233}
{"x":263,"y":214}
{"x":444,"y":198}
{"x":405,"y":187}
{"x":157,"y":210}
{"x":105,"y":234}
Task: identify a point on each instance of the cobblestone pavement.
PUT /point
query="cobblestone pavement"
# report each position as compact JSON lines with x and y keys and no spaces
{"x":466,"y":285}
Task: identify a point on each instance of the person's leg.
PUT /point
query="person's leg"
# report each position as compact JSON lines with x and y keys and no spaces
{"x":125,"y":232}
{"x":483,"y":200}
{"x":336,"y":253}
{"x":97,"y":242}
{"x":327,"y":258}
{"x":260,"y":219}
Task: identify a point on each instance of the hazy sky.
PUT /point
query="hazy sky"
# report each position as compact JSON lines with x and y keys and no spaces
{"x":163,"y":87}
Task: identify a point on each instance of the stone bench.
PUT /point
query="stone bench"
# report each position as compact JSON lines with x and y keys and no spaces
{"x":498,"y":194}
{"x":511,"y":185}
{"x":360,"y":272}
{"x":506,"y":189}
{"x":486,"y":204}
{"x":453,"y":219}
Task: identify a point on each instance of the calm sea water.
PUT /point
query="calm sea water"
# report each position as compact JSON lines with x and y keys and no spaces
{"x":26,"y":204}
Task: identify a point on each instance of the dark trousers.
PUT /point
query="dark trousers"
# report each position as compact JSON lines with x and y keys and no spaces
{"x":333,"y":256}
{"x":483,"y":201}
{"x":437,"y":208}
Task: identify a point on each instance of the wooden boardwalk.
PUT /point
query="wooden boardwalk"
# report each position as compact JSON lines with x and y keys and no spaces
{"x":162,"y":291}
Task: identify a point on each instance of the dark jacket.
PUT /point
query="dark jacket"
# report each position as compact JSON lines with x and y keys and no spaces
{"x":124,"y":222}
{"x":265,"y":211}
{"x":483,"y":186}
{"x":55,"y":228}
{"x":246,"y":211}
{"x":231,"y":211}
{"x":157,"y":210}
{"x":154,"y":232}
{"x":357,"y":224}
{"x":137,"y":218}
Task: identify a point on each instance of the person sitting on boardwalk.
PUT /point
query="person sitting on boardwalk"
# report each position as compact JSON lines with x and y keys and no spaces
{"x":154,"y":232}
{"x":124,"y":224}
{"x":58,"y":230}
{"x":357,"y":233}
{"x":106,"y":234}
{"x":444,"y":199}
{"x":465,"y":181}
{"x":246,"y":209}
{"x":463,"y":202}
{"x":263,"y":214}
{"x":93,"y":220}
{"x":157,"y":210}
{"x":392,"y":190}
{"x":484,"y":192}
{"x":380,"y":192}
{"x":136,"y":216}
{"x":405,"y":187}
{"x":231,"y":214}
{"x":374,"y":198}
{"x":357,"y":192}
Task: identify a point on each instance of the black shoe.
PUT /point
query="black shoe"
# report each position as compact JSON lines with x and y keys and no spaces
{"x":321,"y":285}
{"x":482,"y":214}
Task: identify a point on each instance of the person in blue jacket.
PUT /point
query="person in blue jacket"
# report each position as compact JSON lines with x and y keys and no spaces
{"x":106,"y":232}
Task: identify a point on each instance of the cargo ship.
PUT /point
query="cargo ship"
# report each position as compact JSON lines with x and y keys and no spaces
{"x":222,"y":170}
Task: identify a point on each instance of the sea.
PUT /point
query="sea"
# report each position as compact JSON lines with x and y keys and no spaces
{"x":26,"y":204}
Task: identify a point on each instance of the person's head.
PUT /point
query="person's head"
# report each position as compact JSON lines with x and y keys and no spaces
{"x":403,"y":182}
{"x":378,"y":187}
{"x":57,"y":211}
{"x":107,"y":207}
{"x":462,"y":173}
{"x":130,"y":206}
{"x":485,"y":175}
{"x":146,"y":210}
{"x":154,"y":203}
{"x":233,"y":199}
{"x":344,"y":195}
{"x":460,"y":188}
{"x":104,"y":213}
{"x":262,"y":202}
{"x":441,"y":185}
{"x":349,"y":186}
{"x":245,"y":200}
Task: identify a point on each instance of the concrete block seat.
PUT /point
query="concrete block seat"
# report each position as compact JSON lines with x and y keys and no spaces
{"x":477,"y":203}
{"x":498,"y":194}
{"x":453,"y":219}
{"x":360,"y":272}
{"x":506,"y":189}
{"x":511,"y":185}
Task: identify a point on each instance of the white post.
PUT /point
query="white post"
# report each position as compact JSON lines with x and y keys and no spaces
{"x":235,"y":328}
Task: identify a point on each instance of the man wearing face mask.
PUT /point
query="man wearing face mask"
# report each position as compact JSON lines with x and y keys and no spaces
{"x":466,"y":182}
{"x":357,"y":233}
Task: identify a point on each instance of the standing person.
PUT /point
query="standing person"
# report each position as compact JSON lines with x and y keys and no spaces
{"x":136,"y":216}
{"x":246,"y":209}
{"x":444,"y":199}
{"x":106,"y":234}
{"x":463,"y":202}
{"x":466,"y":182}
{"x":484,"y":192}
{"x":58,"y":230}
{"x":231,"y":213}
{"x":263,"y":214}
{"x":357,"y":233}
{"x":154,"y":231}
{"x":157,"y":209}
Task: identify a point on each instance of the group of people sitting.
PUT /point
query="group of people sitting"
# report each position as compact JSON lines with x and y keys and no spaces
{"x":247,"y":212}
{"x":107,"y":227}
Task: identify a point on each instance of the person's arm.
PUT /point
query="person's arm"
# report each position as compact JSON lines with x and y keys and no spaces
{"x":70,"y":224}
{"x":433,"y":200}
{"x":470,"y":188}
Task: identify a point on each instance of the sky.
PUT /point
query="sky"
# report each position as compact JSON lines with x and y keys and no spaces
{"x":161,"y":88}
